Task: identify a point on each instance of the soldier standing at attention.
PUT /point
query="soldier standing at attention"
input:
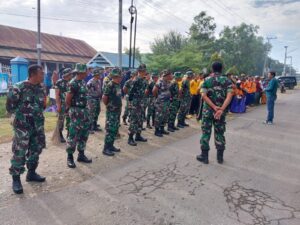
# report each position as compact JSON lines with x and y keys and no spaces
{"x":146,"y":99}
{"x":112,"y":98}
{"x":216,"y":93}
{"x":135,"y":98}
{"x":27,"y":100}
{"x":151,"y":105}
{"x":162,"y":93}
{"x":174,"y":101}
{"x":126,"y":90}
{"x":76,"y":102}
{"x":61,"y":87}
{"x":185,"y":101}
{"x":94,"y":95}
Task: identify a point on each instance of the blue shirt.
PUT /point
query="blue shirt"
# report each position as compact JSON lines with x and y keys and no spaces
{"x":88,"y":77}
{"x":271,"y":89}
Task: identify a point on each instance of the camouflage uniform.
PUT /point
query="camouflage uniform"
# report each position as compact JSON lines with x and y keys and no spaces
{"x":175,"y":103}
{"x":185,"y":101}
{"x":145,"y":102}
{"x":94,"y":95}
{"x":162,"y":103}
{"x":62,"y":86}
{"x":113,"y":111}
{"x":128,"y":85}
{"x":27,"y":102}
{"x":151,"y":105}
{"x":216,"y":87}
{"x":79,"y":117}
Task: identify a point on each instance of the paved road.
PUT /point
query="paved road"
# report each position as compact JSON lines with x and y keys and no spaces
{"x":258,"y":184}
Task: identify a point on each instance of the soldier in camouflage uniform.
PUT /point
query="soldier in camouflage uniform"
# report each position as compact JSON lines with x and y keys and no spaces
{"x":94,"y":96}
{"x":151,"y":105}
{"x":61,"y":87}
{"x":145,"y":101}
{"x":175,"y":101}
{"x":185,"y":100}
{"x":126,"y":90}
{"x":76,"y":101}
{"x":135,"y":98}
{"x":162,"y":93}
{"x":27,"y":101}
{"x":217,"y":93}
{"x":112,"y":98}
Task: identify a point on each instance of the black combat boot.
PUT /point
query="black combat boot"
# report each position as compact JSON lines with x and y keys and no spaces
{"x":220,"y":153}
{"x":148,"y":124}
{"x":70,"y":161}
{"x":163,"y":131}
{"x":203,"y":157}
{"x":61,"y":136}
{"x":82,"y":158}
{"x":158,"y":132}
{"x":114,"y":149}
{"x":174,"y":127}
{"x":138,"y":137}
{"x":131,"y":140}
{"x":17,"y":185}
{"x":107,"y":150}
{"x":170,"y":128}
{"x":180,"y":124}
{"x":96,"y":128}
{"x":32,"y":175}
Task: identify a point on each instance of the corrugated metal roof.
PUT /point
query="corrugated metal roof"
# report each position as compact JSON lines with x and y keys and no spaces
{"x":15,"y":41}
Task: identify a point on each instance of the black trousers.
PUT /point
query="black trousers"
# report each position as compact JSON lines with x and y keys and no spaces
{"x":195,"y":104}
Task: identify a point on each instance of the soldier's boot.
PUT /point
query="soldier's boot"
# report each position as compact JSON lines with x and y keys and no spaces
{"x":148,"y":124}
{"x":17,"y":185}
{"x":203,"y":157}
{"x":61,"y":136}
{"x":220,"y":156}
{"x":131,"y":140}
{"x":82,"y":158}
{"x":124,"y":121}
{"x":32,"y":175}
{"x":180,"y":124}
{"x":96,"y":128}
{"x":70,"y":161}
{"x":174,"y":127}
{"x":170,"y":128}
{"x":158,"y":132}
{"x":163,"y":131}
{"x":107,"y":150}
{"x":114,"y":149}
{"x":138,"y":137}
{"x":184,"y":123}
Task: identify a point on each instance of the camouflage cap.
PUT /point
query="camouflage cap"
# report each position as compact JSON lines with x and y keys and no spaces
{"x":80,"y":68}
{"x":154,"y":74}
{"x":166,"y":73}
{"x":178,"y":75}
{"x":189,"y":73}
{"x":98,"y":71}
{"x":66,"y":72}
{"x":115,"y":72}
{"x":133,"y":73}
{"x":142,"y":68}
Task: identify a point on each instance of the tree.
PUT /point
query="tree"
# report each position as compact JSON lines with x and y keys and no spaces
{"x":170,"y":43}
{"x":138,"y":54}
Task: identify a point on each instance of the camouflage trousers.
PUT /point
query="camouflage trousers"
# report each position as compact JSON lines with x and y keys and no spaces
{"x":136,"y":117}
{"x":78,"y":130}
{"x":61,"y":119}
{"x":174,"y":107}
{"x":151,"y":109}
{"x":28,"y":143}
{"x":126,"y":111}
{"x":161,"y":113}
{"x":184,"y":108}
{"x":94,"y":109}
{"x":144,"y":107}
{"x":208,"y":121}
{"x":111,"y":126}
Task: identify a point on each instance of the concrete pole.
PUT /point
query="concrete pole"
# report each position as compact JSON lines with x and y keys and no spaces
{"x":39,"y":45}
{"x":285,"y":56}
{"x":120,"y":35}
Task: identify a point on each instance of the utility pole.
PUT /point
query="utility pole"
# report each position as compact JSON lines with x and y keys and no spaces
{"x":285,"y":56}
{"x":291,"y":63}
{"x":134,"y":39}
{"x":266,"y":57}
{"x":120,"y":35}
{"x":39,"y":45}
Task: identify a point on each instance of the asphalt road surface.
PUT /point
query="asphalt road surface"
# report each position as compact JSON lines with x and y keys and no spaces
{"x":258,"y":184}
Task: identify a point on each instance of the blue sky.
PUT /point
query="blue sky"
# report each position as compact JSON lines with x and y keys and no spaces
{"x":95,"y":21}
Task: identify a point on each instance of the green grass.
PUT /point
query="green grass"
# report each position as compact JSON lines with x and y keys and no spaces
{"x":2,"y":107}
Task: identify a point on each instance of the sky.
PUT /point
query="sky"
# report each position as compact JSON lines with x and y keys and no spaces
{"x":96,"y":21}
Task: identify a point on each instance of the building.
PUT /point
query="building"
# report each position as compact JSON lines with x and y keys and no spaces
{"x":107,"y":59}
{"x":57,"y":51}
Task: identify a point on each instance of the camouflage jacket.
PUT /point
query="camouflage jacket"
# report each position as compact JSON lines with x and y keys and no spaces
{"x":164,"y":93}
{"x":185,"y":88}
{"x":137,"y":90}
{"x":216,"y":87}
{"x":114,"y":94}
{"x":79,"y":91}
{"x":94,"y":89}
{"x":62,"y":86}
{"x":150,"y":89}
{"x":26,"y":100}
{"x":128,"y":85}
{"x":174,"y":90}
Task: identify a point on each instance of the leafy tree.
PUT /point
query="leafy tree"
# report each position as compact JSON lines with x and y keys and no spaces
{"x":138,"y":54}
